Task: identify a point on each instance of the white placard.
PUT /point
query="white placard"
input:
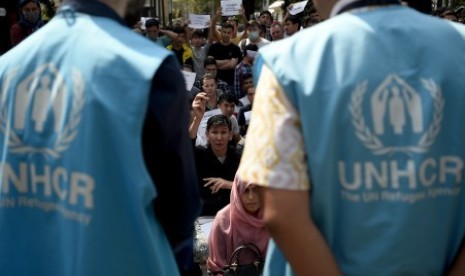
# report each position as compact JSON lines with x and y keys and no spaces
{"x":231,"y":7}
{"x":201,"y":136}
{"x":190,"y":79}
{"x":247,"y":117}
{"x":244,"y":100}
{"x":251,"y":54}
{"x":298,"y":7}
{"x":199,"y":21}
{"x":143,"y":20}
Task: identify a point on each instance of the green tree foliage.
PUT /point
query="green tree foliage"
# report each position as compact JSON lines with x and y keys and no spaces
{"x":49,"y":8}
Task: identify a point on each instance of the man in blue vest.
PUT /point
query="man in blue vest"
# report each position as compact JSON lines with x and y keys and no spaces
{"x":362,"y":164}
{"x":93,"y":123}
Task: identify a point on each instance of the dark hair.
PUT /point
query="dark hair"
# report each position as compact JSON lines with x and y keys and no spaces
{"x":227,"y":25}
{"x":228,"y":97}
{"x":152,"y":22}
{"x":198,"y":33}
{"x":250,"y":47}
{"x":295,"y":20}
{"x":247,"y":76}
{"x":187,"y":66}
{"x":179,"y":30}
{"x":219,"y":120}
{"x":208,"y":61}
{"x":265,"y":12}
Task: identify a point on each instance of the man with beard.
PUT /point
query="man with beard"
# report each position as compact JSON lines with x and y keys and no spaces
{"x":93,"y":120}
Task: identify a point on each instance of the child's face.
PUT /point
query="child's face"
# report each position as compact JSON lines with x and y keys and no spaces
{"x":247,"y":83}
{"x":209,"y":87}
{"x":196,"y":41}
{"x":227,"y":108}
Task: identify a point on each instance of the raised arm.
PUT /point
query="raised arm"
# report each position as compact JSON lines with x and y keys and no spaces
{"x":215,"y":34}
{"x":198,"y":108}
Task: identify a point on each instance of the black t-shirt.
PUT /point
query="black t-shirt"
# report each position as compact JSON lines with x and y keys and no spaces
{"x":178,"y":54}
{"x":221,"y":52}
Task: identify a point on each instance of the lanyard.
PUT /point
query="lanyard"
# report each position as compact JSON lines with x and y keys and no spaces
{"x":345,"y":5}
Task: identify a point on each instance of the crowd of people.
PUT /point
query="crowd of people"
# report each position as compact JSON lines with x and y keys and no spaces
{"x":332,"y":142}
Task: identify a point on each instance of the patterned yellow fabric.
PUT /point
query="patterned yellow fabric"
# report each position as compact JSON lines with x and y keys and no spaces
{"x":274,"y":151}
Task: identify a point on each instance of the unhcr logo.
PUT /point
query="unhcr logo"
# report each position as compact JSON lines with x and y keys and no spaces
{"x":396,"y":109}
{"x":40,"y":100}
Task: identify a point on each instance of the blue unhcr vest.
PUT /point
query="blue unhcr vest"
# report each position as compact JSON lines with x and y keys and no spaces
{"x":380,"y":96}
{"x":75,"y":197}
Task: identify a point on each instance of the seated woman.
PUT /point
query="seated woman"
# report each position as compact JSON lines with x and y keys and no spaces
{"x":238,"y":223}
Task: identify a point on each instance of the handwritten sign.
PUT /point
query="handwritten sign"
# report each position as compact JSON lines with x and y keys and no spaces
{"x":298,"y":7}
{"x":199,"y":21}
{"x":230,"y":7}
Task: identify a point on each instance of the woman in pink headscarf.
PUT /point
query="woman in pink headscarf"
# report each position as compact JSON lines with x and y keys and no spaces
{"x":239,"y":222}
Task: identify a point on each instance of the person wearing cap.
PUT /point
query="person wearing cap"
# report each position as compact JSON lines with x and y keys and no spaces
{"x":356,"y":138}
{"x":30,"y":20}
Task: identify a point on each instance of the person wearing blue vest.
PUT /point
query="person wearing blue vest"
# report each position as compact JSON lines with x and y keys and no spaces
{"x":93,"y":123}
{"x":362,"y":163}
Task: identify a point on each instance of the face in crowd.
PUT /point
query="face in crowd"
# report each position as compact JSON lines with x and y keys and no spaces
{"x":276,"y":32}
{"x":250,"y":199}
{"x":233,"y":21}
{"x":226,"y":35}
{"x":31,"y":12}
{"x":196,"y":41}
{"x":218,"y":135}
{"x":254,"y":32}
{"x":209,"y":87}
{"x":152,"y":32}
{"x":290,"y":28}
{"x":211,"y":69}
{"x":265,"y":19}
{"x":227,"y":108}
{"x":179,"y":40}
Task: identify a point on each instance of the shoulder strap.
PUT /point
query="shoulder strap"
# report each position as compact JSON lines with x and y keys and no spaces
{"x":247,"y":246}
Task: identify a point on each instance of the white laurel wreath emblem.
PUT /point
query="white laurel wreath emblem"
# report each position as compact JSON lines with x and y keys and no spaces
{"x":372,"y":142}
{"x":64,"y":138}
